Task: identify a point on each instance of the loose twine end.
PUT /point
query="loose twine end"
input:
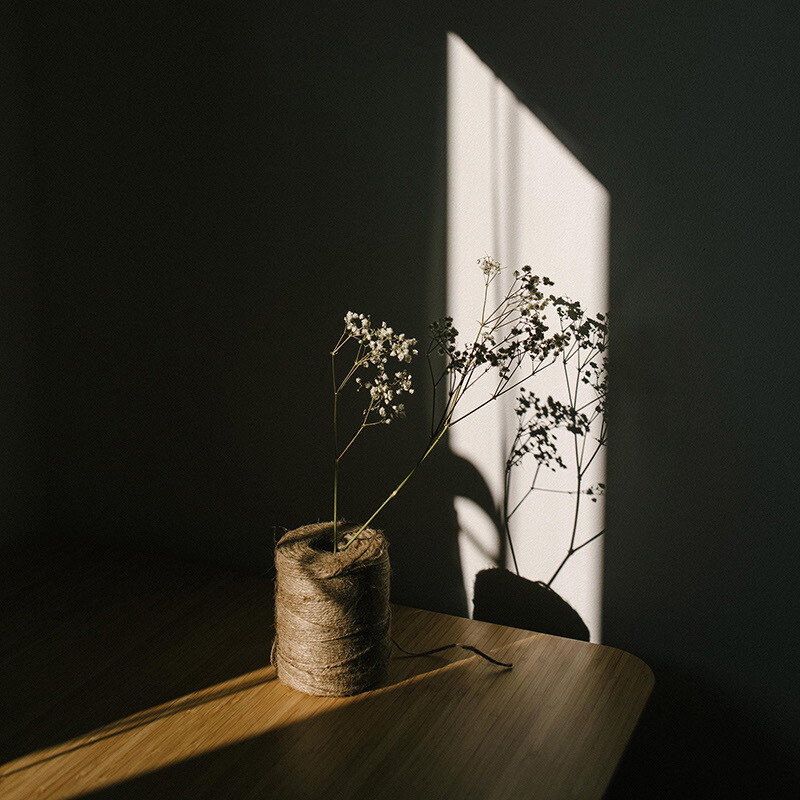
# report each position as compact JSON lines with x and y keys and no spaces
{"x":449,"y":647}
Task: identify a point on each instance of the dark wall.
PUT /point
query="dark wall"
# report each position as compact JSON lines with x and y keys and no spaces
{"x":215,"y":188}
{"x":21,"y":466}
{"x":207,"y":190}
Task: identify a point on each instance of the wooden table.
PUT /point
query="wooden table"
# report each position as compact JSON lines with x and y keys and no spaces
{"x":150,"y":679}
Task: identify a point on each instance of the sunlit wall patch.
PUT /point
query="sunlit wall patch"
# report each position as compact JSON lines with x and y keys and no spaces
{"x":515,"y":192}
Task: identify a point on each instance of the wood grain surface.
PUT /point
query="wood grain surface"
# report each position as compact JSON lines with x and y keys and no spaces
{"x":148,"y":678}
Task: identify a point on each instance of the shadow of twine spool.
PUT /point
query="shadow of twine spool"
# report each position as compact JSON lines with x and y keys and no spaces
{"x":331,"y":611}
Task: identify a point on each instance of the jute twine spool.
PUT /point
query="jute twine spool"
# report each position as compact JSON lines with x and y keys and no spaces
{"x":331,"y":611}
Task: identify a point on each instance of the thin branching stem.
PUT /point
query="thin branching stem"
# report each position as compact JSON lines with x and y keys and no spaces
{"x":375,"y":346}
{"x":398,"y":488}
{"x":364,"y":424}
{"x":433,"y":387}
{"x":335,"y":456}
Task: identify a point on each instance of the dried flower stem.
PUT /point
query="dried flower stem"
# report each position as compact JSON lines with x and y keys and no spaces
{"x":511,"y":333}
{"x":376,"y":345}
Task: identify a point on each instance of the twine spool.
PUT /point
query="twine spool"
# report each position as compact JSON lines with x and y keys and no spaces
{"x":331,"y":611}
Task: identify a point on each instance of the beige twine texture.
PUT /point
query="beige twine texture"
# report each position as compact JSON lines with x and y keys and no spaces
{"x":331,"y":611}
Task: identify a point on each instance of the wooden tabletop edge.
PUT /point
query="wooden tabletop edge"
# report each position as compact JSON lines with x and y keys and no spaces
{"x":630,"y":658}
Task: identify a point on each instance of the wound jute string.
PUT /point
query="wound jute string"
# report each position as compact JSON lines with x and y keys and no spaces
{"x":331,"y":611}
{"x":332,"y":618}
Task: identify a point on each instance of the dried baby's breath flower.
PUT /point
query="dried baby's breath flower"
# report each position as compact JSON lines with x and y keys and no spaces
{"x":513,"y":341}
{"x":377,"y":348}
{"x":379,"y":357}
{"x":489,"y":266}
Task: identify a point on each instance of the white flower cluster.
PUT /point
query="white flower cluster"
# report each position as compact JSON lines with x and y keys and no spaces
{"x":379,"y":345}
{"x":382,"y":342}
{"x":489,"y":266}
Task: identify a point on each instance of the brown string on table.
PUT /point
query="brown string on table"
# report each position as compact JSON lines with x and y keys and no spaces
{"x":448,"y":647}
